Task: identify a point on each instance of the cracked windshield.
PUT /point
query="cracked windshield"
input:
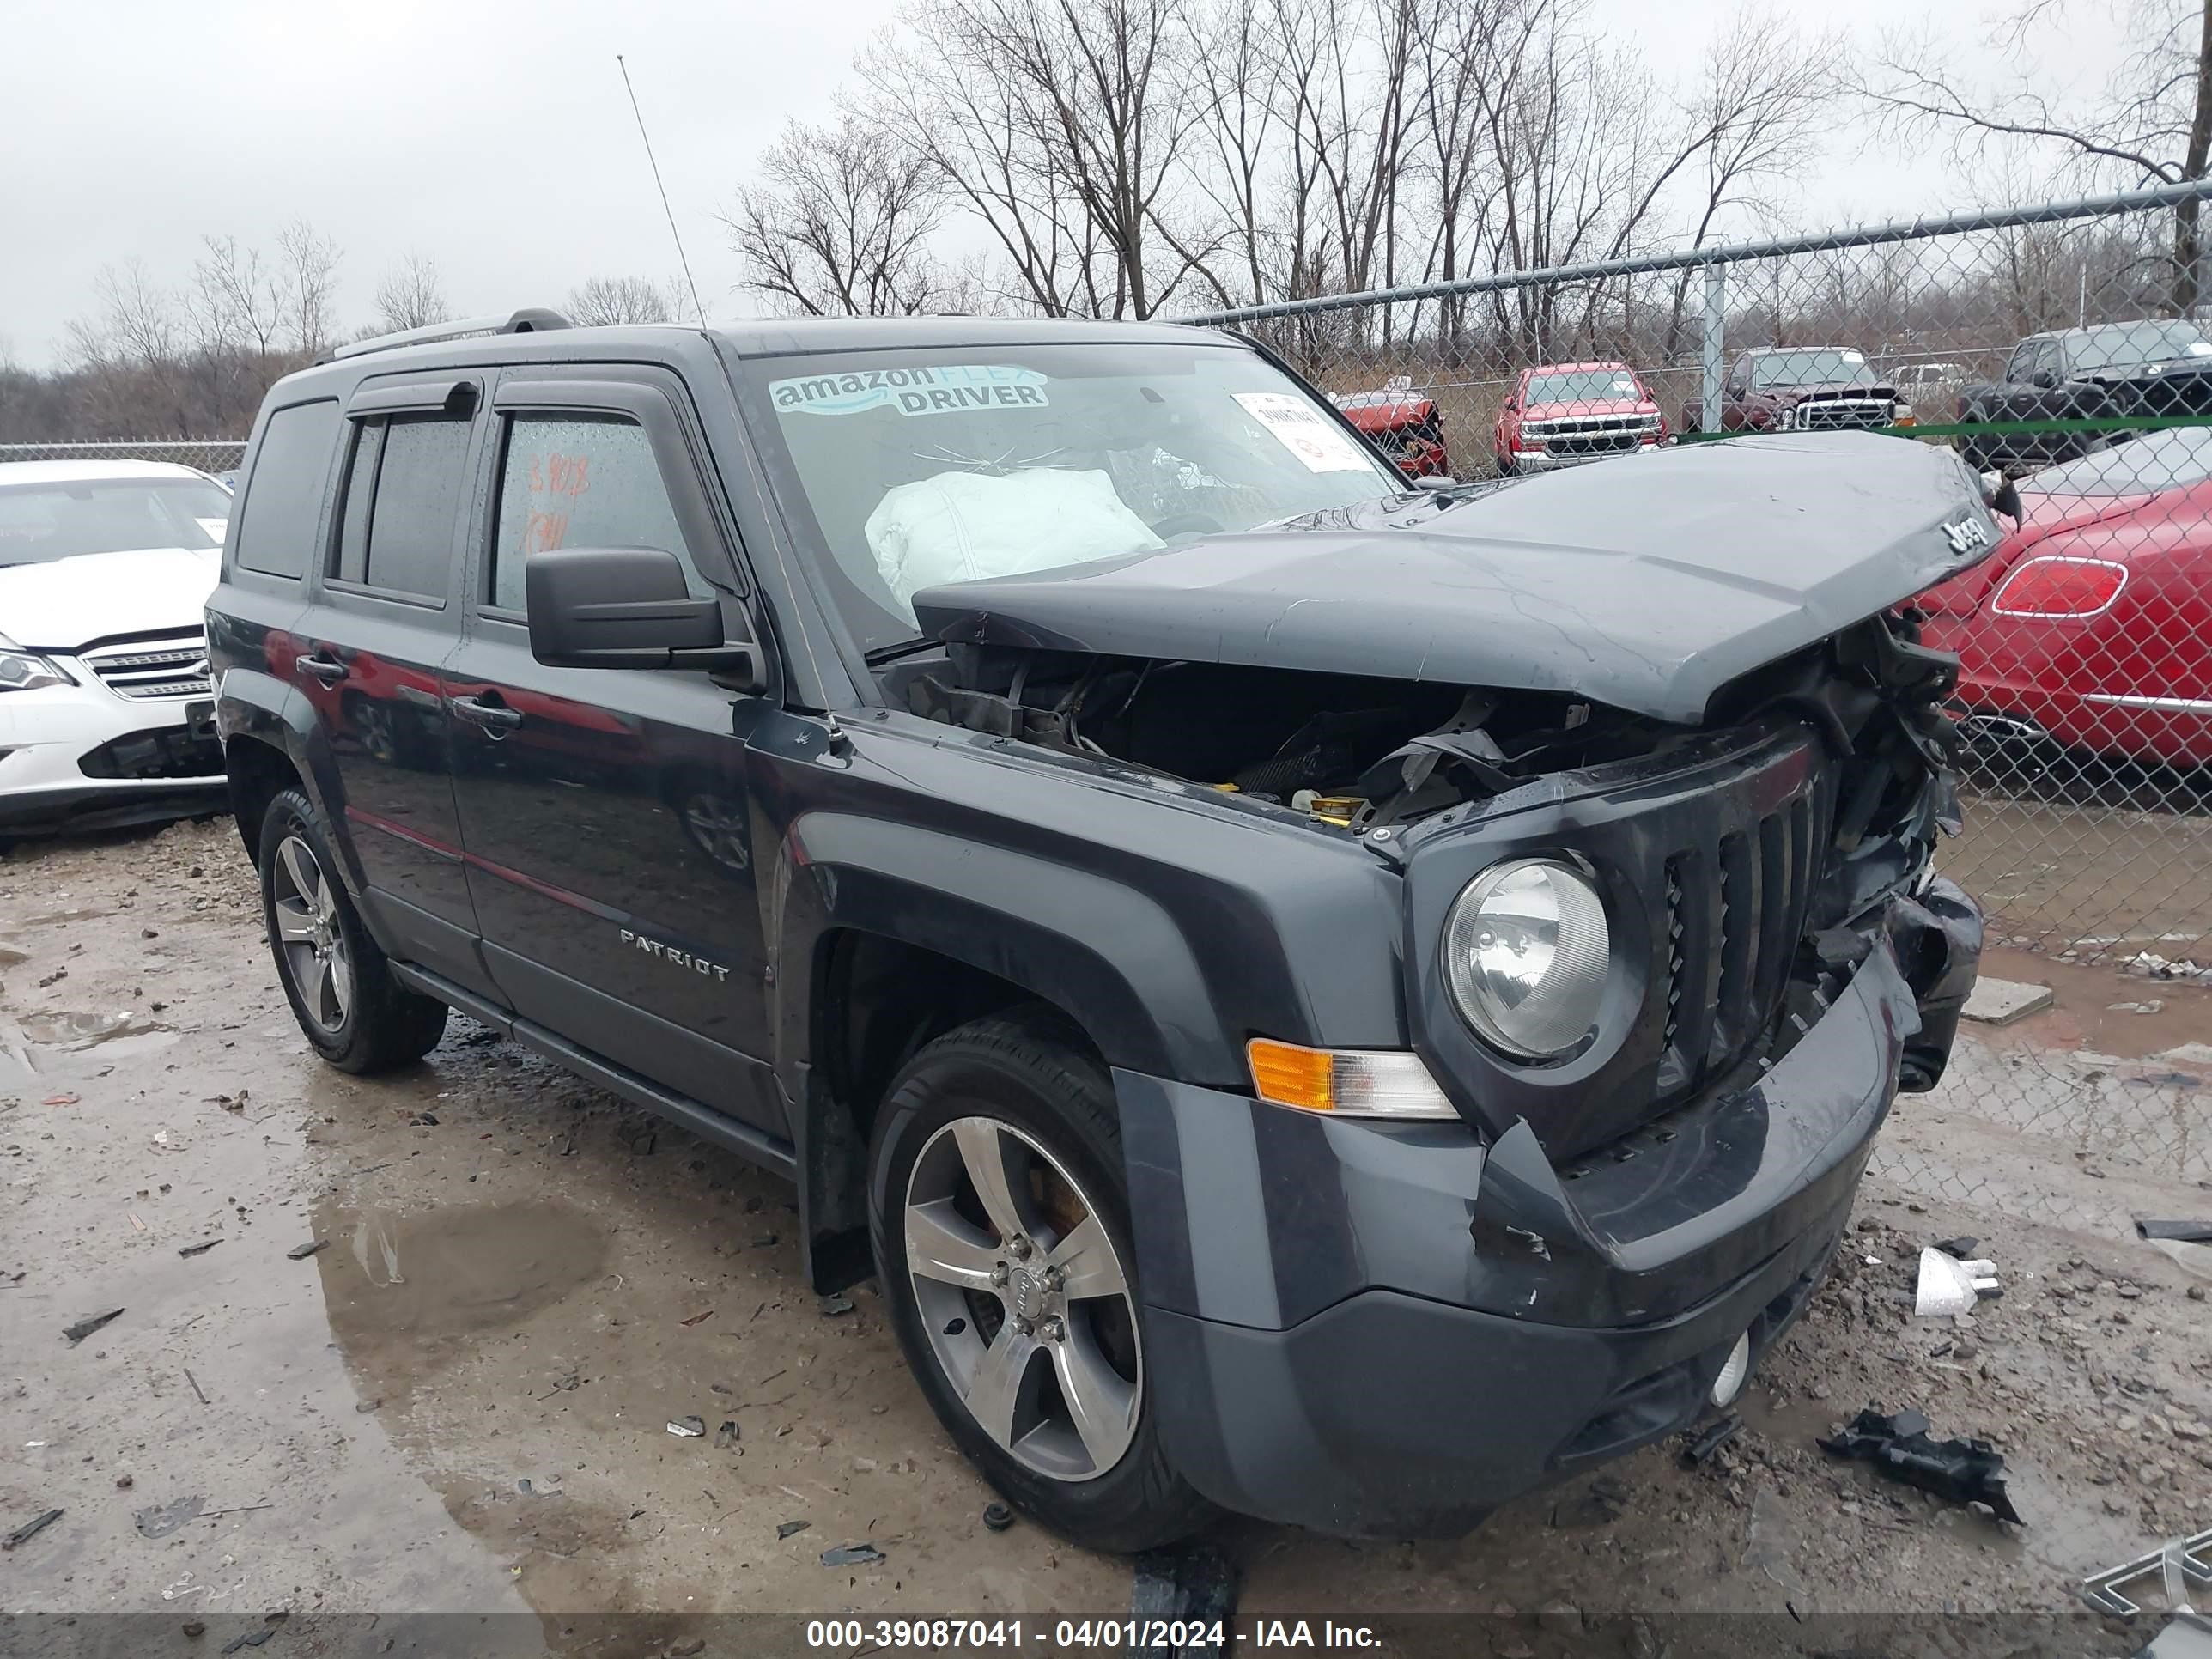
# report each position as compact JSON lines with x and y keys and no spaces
{"x":927,"y":467}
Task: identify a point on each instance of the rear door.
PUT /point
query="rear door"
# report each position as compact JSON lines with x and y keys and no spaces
{"x":605,"y":811}
{"x":366,"y":653}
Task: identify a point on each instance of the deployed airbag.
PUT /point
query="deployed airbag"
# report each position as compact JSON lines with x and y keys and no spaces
{"x":958,"y":527}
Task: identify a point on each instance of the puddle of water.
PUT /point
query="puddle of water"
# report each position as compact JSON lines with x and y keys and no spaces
{"x":82,"y":1031}
{"x":406,"y":1292}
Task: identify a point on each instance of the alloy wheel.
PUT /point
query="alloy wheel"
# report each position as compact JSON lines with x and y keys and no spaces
{"x":1024,"y":1299}
{"x":309,"y":938}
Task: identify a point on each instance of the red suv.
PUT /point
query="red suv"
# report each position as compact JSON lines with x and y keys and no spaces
{"x":1564,"y":414}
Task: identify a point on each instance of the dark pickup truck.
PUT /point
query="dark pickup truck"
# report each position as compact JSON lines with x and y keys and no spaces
{"x":2115,"y":371}
{"x":1799,"y":389}
{"x":1333,"y":1001}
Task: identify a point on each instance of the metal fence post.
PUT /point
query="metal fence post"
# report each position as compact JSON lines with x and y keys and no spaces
{"x":1709,"y":403}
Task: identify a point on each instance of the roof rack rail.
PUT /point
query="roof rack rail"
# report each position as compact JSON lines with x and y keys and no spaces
{"x":530,"y":319}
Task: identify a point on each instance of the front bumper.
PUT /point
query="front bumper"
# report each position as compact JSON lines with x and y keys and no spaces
{"x":80,"y":757}
{"x":1544,"y":460}
{"x":1391,"y":1330}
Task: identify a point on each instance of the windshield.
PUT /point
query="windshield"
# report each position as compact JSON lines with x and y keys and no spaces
{"x":918,"y":467}
{"x":1585,"y":385}
{"x":2173,"y":459}
{"x":1814,"y":367}
{"x":2131,"y":345}
{"x":41,"y":522}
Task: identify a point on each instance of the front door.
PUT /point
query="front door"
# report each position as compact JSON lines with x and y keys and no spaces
{"x":605,"y":812}
{"x":368,"y":651}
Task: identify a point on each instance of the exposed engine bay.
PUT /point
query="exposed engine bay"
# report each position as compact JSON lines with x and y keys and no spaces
{"x":1356,"y":753}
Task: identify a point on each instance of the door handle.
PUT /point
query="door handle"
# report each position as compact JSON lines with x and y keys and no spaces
{"x":326,"y":670}
{"x":496,"y":718}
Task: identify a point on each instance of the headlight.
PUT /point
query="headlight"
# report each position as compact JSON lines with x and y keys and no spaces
{"x":1527,"y":954}
{"x":20,"y":671}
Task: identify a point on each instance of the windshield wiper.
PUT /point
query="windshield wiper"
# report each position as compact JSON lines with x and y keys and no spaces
{"x":883,"y":653}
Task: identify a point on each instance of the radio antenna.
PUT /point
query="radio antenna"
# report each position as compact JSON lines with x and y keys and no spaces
{"x":674,"y":235}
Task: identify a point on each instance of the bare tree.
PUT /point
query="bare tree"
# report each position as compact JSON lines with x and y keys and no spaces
{"x":1059,"y":125}
{"x":841,"y":224}
{"x":411,"y":294}
{"x":308,"y":263}
{"x":622,"y":299}
{"x":2151,"y":124}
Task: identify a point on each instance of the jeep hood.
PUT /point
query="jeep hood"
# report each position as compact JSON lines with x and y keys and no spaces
{"x":1645,"y":582}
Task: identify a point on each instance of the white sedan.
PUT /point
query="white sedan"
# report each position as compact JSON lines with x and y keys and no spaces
{"x":106,"y":713}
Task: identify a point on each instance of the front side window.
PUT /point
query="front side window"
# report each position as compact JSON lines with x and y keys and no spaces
{"x":406,"y":483}
{"x":910,"y":468}
{"x":587,"y":480}
{"x":64,"y":518}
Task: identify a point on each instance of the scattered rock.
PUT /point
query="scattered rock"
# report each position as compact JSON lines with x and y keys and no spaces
{"x":687,"y":1647}
{"x":834,"y":1305}
{"x":1562,"y":1617}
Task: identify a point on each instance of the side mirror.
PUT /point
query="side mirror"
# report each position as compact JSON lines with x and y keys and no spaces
{"x":2046,"y":378}
{"x":627,"y":607}
{"x":1435,"y":481}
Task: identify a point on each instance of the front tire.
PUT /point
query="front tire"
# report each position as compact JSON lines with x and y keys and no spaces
{"x":340,"y":985}
{"x":1000,"y":1217}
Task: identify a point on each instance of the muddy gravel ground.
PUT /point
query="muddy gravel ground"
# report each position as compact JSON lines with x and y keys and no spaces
{"x":461,"y":1402}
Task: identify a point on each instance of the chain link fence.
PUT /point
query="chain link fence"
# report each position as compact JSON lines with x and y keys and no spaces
{"x":217,"y":457}
{"x":2066,"y":347}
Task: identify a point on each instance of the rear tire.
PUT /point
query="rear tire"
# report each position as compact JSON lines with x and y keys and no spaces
{"x":1035,"y":1112}
{"x":351,"y":1010}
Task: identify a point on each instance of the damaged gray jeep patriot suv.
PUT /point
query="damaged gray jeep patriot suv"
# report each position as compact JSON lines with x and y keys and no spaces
{"x":1340,"y":1003}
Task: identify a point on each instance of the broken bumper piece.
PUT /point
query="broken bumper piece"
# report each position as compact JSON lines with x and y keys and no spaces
{"x":1389,"y":1330}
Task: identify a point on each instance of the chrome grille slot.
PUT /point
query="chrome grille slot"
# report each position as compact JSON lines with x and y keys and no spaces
{"x":148,"y":670}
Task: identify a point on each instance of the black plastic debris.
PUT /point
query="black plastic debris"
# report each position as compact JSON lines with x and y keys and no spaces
{"x":727,"y":1435}
{"x":189,"y":1251}
{"x":85,"y":1328}
{"x":2188,"y":1233}
{"x":791,"y":1529}
{"x":301,"y":1252}
{"x":1962,"y":1246}
{"x":1702,"y":1446}
{"x":1193,"y":1585}
{"x":30,"y":1529}
{"x":1964,"y":1471}
{"x":852,"y":1555}
{"x":998,"y":1517}
{"x":163,"y":1519}
{"x":252,"y":1638}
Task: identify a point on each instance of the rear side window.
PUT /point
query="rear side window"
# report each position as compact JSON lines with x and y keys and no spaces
{"x":580,"y":481}
{"x":283,"y":494}
{"x":406,"y":481}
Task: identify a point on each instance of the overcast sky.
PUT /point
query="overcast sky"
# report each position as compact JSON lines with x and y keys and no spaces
{"x":494,"y":136}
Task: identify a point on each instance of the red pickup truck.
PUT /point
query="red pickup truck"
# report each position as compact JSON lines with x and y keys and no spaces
{"x":1564,"y":414}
